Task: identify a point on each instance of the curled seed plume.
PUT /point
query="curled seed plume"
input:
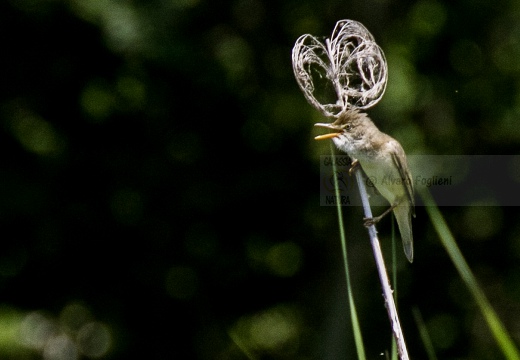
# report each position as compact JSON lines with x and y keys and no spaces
{"x":348,"y":71}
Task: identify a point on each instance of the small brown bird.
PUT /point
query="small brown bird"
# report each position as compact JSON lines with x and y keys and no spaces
{"x":383,"y":160}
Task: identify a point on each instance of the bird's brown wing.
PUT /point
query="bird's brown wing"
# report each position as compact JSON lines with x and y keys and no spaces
{"x":404,"y":171}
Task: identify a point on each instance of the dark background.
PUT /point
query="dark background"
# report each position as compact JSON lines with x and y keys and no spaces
{"x":159,"y":187}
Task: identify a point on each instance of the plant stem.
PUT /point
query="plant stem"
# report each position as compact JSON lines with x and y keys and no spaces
{"x":383,"y":276}
{"x":394,"y":280}
{"x":358,"y":339}
{"x":423,"y":332}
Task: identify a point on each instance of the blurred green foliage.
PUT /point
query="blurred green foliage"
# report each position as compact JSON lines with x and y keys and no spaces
{"x":159,"y":181}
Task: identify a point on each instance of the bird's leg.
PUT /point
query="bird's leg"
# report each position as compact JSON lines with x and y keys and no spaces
{"x":353,"y":167}
{"x":372,"y":221}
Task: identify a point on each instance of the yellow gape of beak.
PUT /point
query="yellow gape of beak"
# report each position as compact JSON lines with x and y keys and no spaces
{"x":326,"y":136}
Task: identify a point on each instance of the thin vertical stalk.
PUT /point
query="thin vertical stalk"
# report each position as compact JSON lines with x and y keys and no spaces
{"x":358,"y":339}
{"x":383,"y":276}
{"x":394,"y":281}
{"x":423,"y":332}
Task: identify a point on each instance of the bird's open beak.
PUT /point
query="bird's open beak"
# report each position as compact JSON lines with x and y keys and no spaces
{"x":327,"y":136}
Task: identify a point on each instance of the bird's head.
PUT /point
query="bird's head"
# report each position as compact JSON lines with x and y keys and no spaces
{"x":350,"y":127}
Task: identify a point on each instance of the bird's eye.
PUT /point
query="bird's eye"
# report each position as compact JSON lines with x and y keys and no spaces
{"x":348,"y":127}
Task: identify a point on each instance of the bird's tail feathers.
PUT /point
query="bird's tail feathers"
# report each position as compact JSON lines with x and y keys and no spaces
{"x":404,"y":222}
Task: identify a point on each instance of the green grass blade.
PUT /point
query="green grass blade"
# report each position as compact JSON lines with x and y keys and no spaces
{"x":358,"y":339}
{"x":425,"y":335}
{"x":498,"y":330}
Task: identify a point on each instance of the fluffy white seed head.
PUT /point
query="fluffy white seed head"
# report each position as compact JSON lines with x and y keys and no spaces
{"x":348,"y":70}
